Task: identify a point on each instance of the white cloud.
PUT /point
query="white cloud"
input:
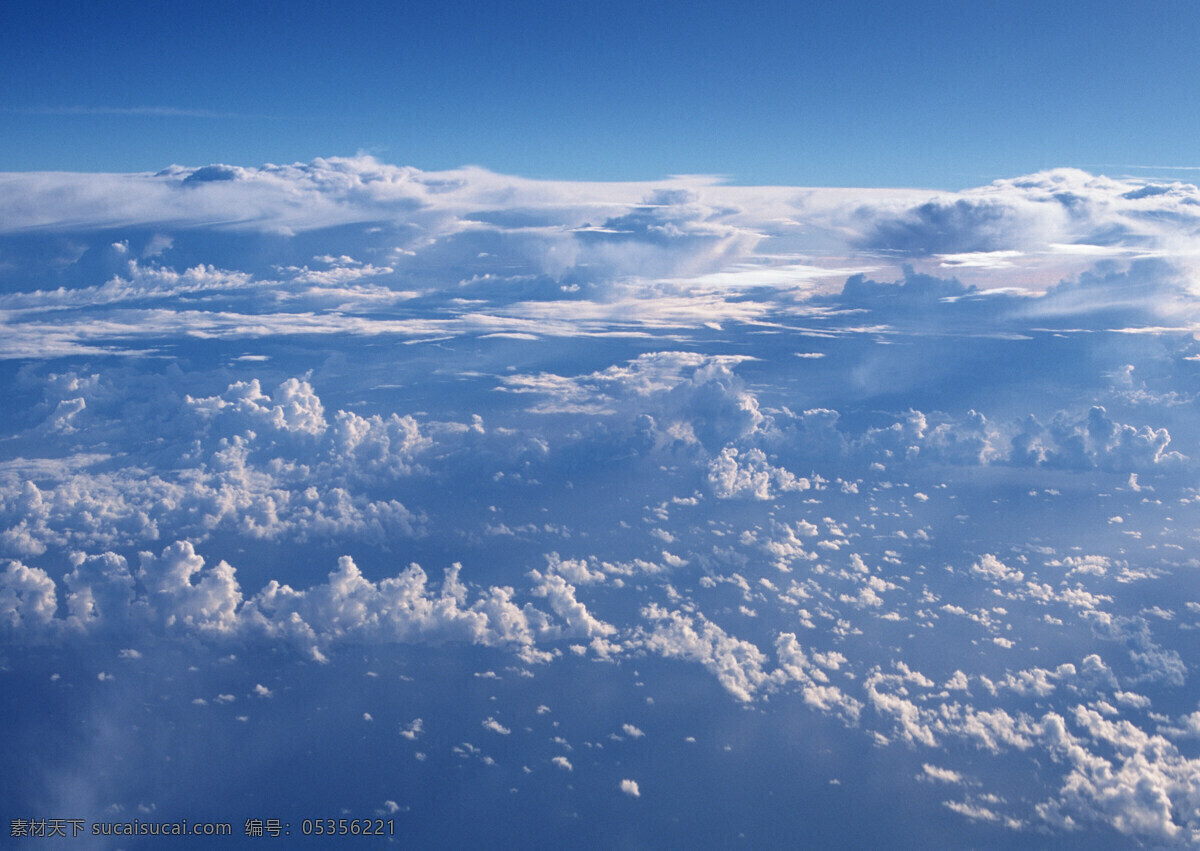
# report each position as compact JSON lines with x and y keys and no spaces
{"x":580,"y":623}
{"x":974,"y":812}
{"x":737,"y":664}
{"x":183,"y":594}
{"x":995,"y":570}
{"x":670,"y":397}
{"x":274,"y":469}
{"x":816,"y":689}
{"x":293,"y":408}
{"x":186,"y":594}
{"x":751,"y":476}
{"x":27,"y":597}
{"x":942,"y":775}
{"x":495,"y":726}
{"x":1144,"y":789}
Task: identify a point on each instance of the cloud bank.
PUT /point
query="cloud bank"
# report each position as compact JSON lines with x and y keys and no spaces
{"x":912,"y":470}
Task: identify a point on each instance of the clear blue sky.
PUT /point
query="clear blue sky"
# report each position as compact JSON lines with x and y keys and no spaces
{"x":824,"y":93}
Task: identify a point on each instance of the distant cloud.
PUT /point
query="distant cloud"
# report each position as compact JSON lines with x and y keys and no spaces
{"x":943,"y":775}
{"x":495,"y":726}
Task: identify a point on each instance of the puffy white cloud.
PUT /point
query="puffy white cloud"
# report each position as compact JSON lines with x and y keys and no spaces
{"x":1055,"y":208}
{"x":294,"y":407}
{"x":1141,"y":784}
{"x":751,"y":476}
{"x":560,"y":594}
{"x":737,"y":664}
{"x":101,"y":591}
{"x":373,"y":446}
{"x":574,"y":570}
{"x":671,"y":397}
{"x":184,"y":592}
{"x":816,"y":689}
{"x":1094,"y":565}
{"x":942,"y":775}
{"x":785,"y":545}
{"x":495,"y":726}
{"x":179,"y":592}
{"x":1069,"y":441}
{"x":1094,"y":441}
{"x":27,"y":597}
{"x":400,"y":608}
{"x":267,"y":466}
{"x":995,"y":570}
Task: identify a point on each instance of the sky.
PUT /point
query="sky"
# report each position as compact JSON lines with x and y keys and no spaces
{"x":930,"y":94}
{"x":606,"y":427}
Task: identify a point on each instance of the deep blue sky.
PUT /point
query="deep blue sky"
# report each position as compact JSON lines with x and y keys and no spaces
{"x":825,"y":93}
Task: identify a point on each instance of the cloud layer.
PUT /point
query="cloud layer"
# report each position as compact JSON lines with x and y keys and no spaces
{"x":914,"y":471}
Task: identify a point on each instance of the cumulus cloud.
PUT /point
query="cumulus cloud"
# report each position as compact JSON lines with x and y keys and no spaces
{"x":1092,"y":441}
{"x":815,"y":686}
{"x":1145,"y":789}
{"x":751,"y":476}
{"x":183,"y":591}
{"x":736,"y":663}
{"x":1070,"y":441}
{"x":560,"y":595}
{"x":178,"y":592}
{"x":670,"y":397}
{"x":27,"y":597}
{"x":942,"y":775}
{"x":993,"y":569}
{"x":293,"y":408}
{"x":495,"y":726}
{"x":268,"y":466}
{"x":400,"y":608}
